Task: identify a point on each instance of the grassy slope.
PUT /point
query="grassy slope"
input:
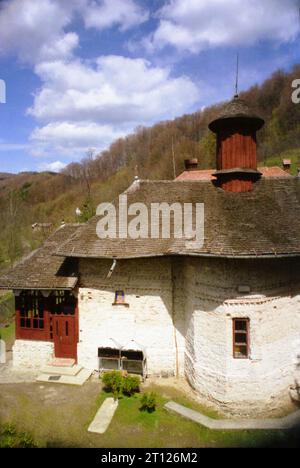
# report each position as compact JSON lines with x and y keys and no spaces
{"x":292,"y":154}
{"x":7,"y":322}
{"x":6,"y":307}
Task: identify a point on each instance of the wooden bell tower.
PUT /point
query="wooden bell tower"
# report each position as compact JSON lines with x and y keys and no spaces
{"x":236,"y":130}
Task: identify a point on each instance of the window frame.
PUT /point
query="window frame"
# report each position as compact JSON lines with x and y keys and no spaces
{"x":119,"y":293}
{"x":32,"y":311}
{"x":247,"y":333}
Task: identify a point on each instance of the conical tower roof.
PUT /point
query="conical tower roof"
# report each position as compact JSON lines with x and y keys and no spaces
{"x":237,"y":109}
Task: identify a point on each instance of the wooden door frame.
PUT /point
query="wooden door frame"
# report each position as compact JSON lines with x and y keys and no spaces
{"x":58,"y":319}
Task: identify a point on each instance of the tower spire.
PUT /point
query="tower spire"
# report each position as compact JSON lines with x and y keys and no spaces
{"x":237,"y":75}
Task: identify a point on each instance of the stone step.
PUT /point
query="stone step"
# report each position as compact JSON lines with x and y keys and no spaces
{"x":78,"y":379}
{"x":56,"y":370}
{"x":62,"y":362}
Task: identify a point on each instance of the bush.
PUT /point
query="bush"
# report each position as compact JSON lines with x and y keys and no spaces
{"x":113,"y":382}
{"x":10,"y":438}
{"x":148,"y":402}
{"x":131,"y":385}
{"x":26,"y":441}
{"x":117,"y":383}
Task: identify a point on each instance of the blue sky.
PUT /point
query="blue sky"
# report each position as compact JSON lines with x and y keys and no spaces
{"x":81,"y":73}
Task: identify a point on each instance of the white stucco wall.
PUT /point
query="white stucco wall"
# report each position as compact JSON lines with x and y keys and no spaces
{"x":147,"y":319}
{"x":31,"y":355}
{"x":191,"y":333}
{"x":262,"y":382}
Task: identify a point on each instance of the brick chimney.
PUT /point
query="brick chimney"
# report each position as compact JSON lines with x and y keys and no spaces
{"x":236,"y":129}
{"x":286,"y":164}
{"x":191,"y":164}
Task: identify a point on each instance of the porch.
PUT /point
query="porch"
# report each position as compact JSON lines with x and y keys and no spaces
{"x":50,"y":317}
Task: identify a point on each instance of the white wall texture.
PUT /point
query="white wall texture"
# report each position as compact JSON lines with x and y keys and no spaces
{"x":262,"y":382}
{"x":147,"y":320}
{"x":32,"y":355}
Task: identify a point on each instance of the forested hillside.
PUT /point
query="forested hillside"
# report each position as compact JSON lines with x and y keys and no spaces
{"x":48,"y":197}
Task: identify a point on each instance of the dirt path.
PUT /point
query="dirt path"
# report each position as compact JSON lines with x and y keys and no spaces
{"x":54,"y":415}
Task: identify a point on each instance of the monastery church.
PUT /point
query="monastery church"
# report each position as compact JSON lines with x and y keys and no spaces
{"x":225,"y":316}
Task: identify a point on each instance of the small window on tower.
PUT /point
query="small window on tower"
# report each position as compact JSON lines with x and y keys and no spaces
{"x":241,"y":338}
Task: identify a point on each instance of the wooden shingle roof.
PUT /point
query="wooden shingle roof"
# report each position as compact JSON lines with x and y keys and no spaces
{"x":41,"y":269}
{"x":261,"y":223}
{"x":236,"y":109}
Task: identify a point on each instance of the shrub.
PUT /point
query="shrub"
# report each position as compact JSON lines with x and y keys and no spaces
{"x":10,"y":438}
{"x":148,"y":402}
{"x":113,"y":382}
{"x":131,"y":385}
{"x":26,"y":441}
{"x":117,"y":383}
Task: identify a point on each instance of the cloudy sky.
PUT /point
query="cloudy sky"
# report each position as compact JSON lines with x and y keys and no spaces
{"x":81,"y":73}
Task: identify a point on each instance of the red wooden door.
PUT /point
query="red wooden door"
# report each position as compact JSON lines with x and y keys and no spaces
{"x":65,"y":337}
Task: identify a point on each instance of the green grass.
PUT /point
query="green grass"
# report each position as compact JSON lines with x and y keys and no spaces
{"x":134,"y":428}
{"x":292,"y":154}
{"x":7,"y":307}
{"x":7,"y":323}
{"x":172,"y":393}
{"x":8,"y":333}
{"x":11,"y":438}
{"x":58,"y":416}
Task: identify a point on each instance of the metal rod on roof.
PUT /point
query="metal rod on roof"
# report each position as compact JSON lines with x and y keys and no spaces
{"x":237,"y":75}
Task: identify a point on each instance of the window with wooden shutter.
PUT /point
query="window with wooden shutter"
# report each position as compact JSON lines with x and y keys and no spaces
{"x":241,"y":327}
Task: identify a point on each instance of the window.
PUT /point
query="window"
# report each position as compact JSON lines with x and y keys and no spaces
{"x":119,"y":297}
{"x":63,"y":303}
{"x":32,"y":310}
{"x":241,"y":338}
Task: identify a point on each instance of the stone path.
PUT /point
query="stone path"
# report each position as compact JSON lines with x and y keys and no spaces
{"x":104,"y":416}
{"x":8,"y":375}
{"x":288,"y":422}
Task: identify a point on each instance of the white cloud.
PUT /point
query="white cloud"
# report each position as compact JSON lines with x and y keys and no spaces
{"x":70,"y":137}
{"x":91,"y":104}
{"x":114,"y":90}
{"x":196,"y":25}
{"x":55,"y":166}
{"x":108,"y":13}
{"x":35,"y":30}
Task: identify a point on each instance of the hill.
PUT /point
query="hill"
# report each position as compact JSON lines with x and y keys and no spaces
{"x":5,"y":175}
{"x":27,"y":198}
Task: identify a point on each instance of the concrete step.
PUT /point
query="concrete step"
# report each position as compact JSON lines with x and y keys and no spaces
{"x":56,"y":370}
{"x":78,"y":379}
{"x":62,"y":362}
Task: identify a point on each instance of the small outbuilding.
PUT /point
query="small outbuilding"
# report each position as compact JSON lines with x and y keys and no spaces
{"x":109,"y":355}
{"x":134,"y":359}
